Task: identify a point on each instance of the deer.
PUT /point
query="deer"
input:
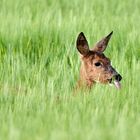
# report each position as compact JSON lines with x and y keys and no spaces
{"x":95,"y":66}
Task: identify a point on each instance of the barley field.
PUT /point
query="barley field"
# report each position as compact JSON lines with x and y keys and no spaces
{"x":39,"y":68}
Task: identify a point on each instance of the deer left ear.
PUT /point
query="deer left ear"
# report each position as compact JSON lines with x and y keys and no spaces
{"x":102,"y":44}
{"x":82,"y":44}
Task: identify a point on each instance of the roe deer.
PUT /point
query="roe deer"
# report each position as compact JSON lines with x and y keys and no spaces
{"x":95,"y":66}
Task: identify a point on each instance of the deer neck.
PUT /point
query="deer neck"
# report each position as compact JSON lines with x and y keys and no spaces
{"x":84,"y":78}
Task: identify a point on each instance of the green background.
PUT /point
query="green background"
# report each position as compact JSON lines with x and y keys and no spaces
{"x":39,"y":68}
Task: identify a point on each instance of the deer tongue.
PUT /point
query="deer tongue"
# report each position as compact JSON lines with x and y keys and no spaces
{"x":117,"y":84}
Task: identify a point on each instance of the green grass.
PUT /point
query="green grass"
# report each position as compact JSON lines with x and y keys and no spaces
{"x":39,"y":62}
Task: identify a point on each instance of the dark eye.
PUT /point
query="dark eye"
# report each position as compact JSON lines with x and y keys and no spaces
{"x":97,"y":64}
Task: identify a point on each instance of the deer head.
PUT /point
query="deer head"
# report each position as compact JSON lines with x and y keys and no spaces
{"x":95,"y":66}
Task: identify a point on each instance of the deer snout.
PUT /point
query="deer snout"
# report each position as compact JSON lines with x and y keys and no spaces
{"x":118,"y":77}
{"x":112,"y":71}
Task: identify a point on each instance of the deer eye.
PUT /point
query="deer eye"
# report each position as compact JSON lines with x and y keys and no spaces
{"x":97,"y":64}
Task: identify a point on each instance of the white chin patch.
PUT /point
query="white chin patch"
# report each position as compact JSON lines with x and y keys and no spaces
{"x":111,"y":84}
{"x":117,"y":84}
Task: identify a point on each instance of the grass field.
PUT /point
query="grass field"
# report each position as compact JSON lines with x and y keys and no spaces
{"x":39,"y":62}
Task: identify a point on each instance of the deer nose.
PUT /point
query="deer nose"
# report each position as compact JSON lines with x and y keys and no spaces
{"x":118,"y":77}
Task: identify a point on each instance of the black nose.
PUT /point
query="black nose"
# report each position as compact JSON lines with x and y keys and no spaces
{"x":118,"y":77}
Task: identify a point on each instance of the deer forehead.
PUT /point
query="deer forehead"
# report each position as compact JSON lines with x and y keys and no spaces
{"x":96,"y":57}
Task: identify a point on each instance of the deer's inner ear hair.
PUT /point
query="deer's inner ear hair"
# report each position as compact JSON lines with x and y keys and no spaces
{"x":97,"y":64}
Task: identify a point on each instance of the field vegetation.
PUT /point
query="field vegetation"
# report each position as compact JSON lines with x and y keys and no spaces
{"x":39,"y":68}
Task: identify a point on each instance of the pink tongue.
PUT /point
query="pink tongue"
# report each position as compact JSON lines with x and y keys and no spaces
{"x":117,"y":84}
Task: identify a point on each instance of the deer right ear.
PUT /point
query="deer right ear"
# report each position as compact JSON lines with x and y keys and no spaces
{"x":102,"y":44}
{"x":82,"y":44}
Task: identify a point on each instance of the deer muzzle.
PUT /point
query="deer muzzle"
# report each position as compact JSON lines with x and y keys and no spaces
{"x":116,"y":80}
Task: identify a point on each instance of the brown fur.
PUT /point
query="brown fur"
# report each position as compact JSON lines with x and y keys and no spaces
{"x":89,"y":72}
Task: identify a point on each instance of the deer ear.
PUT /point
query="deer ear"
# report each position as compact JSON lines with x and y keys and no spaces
{"x":82,"y":44}
{"x":102,"y":44}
